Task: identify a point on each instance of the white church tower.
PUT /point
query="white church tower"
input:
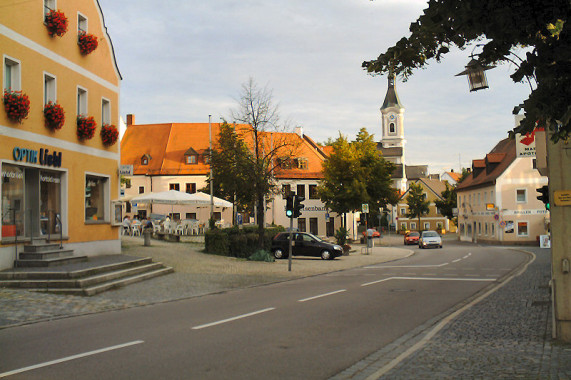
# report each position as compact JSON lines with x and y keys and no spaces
{"x":393,"y":142}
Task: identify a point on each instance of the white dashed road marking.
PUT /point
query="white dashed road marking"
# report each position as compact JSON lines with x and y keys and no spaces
{"x":322,"y":295}
{"x":233,"y":318}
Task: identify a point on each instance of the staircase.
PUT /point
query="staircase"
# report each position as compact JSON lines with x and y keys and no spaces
{"x":45,"y":267}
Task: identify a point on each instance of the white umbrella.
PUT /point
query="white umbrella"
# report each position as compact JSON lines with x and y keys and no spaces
{"x":171,"y":197}
{"x":202,"y":198}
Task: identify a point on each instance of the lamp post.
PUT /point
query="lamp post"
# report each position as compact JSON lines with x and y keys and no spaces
{"x":210,"y":164}
{"x":476,"y":75}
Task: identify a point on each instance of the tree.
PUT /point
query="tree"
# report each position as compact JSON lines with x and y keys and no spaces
{"x":257,"y":110}
{"x":417,"y":204}
{"x":356,"y":173}
{"x":448,"y":202}
{"x":503,"y":25}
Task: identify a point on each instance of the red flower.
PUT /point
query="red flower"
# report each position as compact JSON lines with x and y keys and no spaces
{"x":54,"y":116}
{"x":85,"y":127}
{"x":56,"y":23}
{"x":16,"y":104}
{"x":109,"y":134}
{"x":87,"y":42}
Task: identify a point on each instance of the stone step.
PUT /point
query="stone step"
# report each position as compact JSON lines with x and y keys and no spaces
{"x":44,"y":255}
{"x":81,"y":283}
{"x":32,"y":263}
{"x":100,"y":288}
{"x":41,"y":247}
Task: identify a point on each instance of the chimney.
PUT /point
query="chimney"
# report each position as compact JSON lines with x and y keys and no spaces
{"x":299,"y":131}
{"x":130,"y":120}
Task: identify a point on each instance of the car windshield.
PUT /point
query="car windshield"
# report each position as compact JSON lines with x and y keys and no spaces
{"x":310,"y":236}
{"x":414,"y":234}
{"x":429,"y":234}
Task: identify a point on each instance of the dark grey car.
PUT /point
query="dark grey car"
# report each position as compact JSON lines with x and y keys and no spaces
{"x":304,"y":244}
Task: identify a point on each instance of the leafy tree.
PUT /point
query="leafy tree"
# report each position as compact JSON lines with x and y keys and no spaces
{"x":417,"y":204}
{"x":356,"y":173}
{"x":256,"y":109}
{"x":449,"y":201}
{"x":465,"y":173}
{"x":503,"y":26}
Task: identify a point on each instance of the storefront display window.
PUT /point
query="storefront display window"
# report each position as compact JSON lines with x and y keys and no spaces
{"x":96,"y":189}
{"x":12,"y":201}
{"x":50,"y":202}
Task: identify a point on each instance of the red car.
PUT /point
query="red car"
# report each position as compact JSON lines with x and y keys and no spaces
{"x":376,"y":234}
{"x":411,"y":238}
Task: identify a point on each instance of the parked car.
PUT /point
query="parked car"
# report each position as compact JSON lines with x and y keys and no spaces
{"x":304,"y":244}
{"x":430,"y":239}
{"x":376,"y":234}
{"x":411,"y":238}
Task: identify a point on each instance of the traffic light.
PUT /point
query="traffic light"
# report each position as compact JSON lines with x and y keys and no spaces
{"x":289,"y":206}
{"x":544,"y":197}
{"x":297,"y":205}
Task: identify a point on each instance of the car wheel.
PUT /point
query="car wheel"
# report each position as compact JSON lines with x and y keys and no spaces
{"x":326,"y":255}
{"x":440,"y":246}
{"x":420,"y":246}
{"x":278,"y":254}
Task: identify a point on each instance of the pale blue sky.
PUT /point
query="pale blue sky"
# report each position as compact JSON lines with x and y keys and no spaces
{"x":183,"y":60}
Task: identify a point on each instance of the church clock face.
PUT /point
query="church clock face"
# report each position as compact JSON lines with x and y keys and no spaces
{"x":392,"y":117}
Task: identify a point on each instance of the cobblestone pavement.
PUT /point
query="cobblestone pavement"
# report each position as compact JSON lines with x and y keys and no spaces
{"x":507,"y":335}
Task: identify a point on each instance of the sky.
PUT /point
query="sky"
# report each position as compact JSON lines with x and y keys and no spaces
{"x":184,"y":60}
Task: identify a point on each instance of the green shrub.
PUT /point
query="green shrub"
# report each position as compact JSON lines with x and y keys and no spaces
{"x":341,"y":236}
{"x":216,"y":241}
{"x":236,"y":242}
{"x":261,"y":255}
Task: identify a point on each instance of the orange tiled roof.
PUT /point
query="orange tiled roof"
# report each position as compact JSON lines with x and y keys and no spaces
{"x":455,"y":176}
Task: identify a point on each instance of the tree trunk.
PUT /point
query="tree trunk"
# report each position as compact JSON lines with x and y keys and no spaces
{"x":261,"y":219}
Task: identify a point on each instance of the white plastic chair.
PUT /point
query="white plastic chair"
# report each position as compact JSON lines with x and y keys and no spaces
{"x":136,"y":229}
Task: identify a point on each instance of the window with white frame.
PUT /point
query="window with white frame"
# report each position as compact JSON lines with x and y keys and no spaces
{"x":479,"y":228}
{"x":81,"y":23}
{"x":493,"y":228}
{"x":522,"y":229}
{"x":426,"y":226}
{"x":403,"y":211}
{"x":105,"y":111}
{"x":392,"y":128}
{"x":492,"y":196}
{"x":403,"y":226}
{"x":486,"y":228}
{"x":521,"y":195}
{"x":81,"y":101}
{"x":96,"y":198}
{"x":412,"y":225}
{"x":49,"y":5}
{"x":12,"y":75}
{"x":49,"y":88}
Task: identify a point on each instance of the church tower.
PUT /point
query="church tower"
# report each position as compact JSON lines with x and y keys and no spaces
{"x":393,"y":143}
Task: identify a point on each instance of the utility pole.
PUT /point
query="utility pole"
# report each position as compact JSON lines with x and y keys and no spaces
{"x":210,"y":164}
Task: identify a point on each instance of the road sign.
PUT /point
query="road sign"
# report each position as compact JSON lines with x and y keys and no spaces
{"x":126,"y":170}
{"x":365,"y":208}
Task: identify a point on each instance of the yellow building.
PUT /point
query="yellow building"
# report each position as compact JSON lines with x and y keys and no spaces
{"x":56,"y":178}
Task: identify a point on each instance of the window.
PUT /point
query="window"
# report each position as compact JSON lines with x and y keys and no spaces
{"x":96,"y":198}
{"x":485,"y":228}
{"x":492,"y":200}
{"x":313,"y":226}
{"x":141,"y":189}
{"x":284,"y":162}
{"x":534,"y":163}
{"x":479,"y":199}
{"x":403,"y":226}
{"x":413,"y":225}
{"x":485,"y":197}
{"x":11,"y":74}
{"x":190,"y":215}
{"x":81,"y":23}
{"x":313,"y":192}
{"x":493,"y":229}
{"x":174,"y":186}
{"x":439,"y":225}
{"x":105,"y":111}
{"x":191,"y":188}
{"x":301,"y":190}
{"x":145,"y":159}
{"x":403,"y":211}
{"x":49,"y":5}
{"x":521,"y":196}
{"x":426,"y":225}
{"x":217,"y":215}
{"x":301,"y":225}
{"x":49,"y":88}
{"x":392,"y":128}
{"x":522,"y":229}
{"x":302,"y":163}
{"x":81,"y":101}
{"x":127,"y":183}
{"x":175,"y":216}
{"x":479,"y":228}
{"x":191,"y":159}
{"x":286,"y":190}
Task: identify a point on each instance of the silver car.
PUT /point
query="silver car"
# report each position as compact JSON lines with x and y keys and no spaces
{"x":430,"y":239}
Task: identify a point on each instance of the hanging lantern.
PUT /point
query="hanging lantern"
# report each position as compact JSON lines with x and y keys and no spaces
{"x":476,"y":76}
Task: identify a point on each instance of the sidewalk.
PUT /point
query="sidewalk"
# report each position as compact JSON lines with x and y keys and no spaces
{"x":507,"y":335}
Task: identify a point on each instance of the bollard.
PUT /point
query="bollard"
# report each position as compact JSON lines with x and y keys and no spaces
{"x":147,"y":236}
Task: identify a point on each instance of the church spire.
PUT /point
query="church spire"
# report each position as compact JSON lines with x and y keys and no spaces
{"x":392,"y":98}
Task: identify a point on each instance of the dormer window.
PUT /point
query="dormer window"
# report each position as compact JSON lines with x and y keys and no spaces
{"x":145,"y":159}
{"x":284,"y":162}
{"x":191,"y":157}
{"x":301,"y":163}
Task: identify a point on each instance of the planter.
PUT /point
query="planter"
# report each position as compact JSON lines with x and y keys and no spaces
{"x":16,"y":104}
{"x":56,"y":22}
{"x":87,"y":43}
{"x":85,"y":127}
{"x":54,"y":116}
{"x":109,"y":134}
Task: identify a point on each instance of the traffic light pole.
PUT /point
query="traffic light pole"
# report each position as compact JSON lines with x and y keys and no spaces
{"x":290,"y":244}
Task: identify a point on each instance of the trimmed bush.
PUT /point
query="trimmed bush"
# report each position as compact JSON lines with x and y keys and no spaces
{"x":236,"y":242}
{"x":262,"y":255}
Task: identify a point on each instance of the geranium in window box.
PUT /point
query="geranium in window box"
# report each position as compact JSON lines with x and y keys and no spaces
{"x":85,"y":127}
{"x":87,"y":42}
{"x":109,"y":134}
{"x":54,"y":116}
{"x":56,"y":22}
{"x":16,"y":104}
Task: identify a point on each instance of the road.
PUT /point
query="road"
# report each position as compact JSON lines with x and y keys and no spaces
{"x":312,"y":328}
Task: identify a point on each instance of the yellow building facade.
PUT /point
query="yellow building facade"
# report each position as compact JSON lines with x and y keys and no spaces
{"x":56,"y":182}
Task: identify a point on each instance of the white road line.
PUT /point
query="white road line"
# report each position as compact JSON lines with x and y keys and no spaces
{"x":233,"y":318}
{"x":25,"y":369}
{"x":378,"y":281}
{"x":455,"y":261}
{"x":468,"y":255}
{"x":322,"y":295}
{"x":404,"y":266}
{"x":429,"y":279}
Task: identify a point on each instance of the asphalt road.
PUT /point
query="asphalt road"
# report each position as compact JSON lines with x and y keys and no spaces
{"x":312,"y":328}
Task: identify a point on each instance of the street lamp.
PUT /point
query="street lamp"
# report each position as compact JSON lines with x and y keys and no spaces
{"x":475,"y":73}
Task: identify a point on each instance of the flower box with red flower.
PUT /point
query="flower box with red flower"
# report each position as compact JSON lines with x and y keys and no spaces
{"x":16,"y":104}
{"x":54,"y":116}
{"x":109,"y":134}
{"x":85,"y":127}
{"x":87,"y":42}
{"x":56,"y":22}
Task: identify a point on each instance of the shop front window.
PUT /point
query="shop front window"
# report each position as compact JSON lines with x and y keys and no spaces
{"x":12,"y":201}
{"x":95,"y":197}
{"x":50,"y":202}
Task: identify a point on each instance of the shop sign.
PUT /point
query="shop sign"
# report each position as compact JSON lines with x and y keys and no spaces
{"x":43,"y":157}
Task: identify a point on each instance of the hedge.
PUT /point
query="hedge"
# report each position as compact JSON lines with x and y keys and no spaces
{"x":236,"y":242}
